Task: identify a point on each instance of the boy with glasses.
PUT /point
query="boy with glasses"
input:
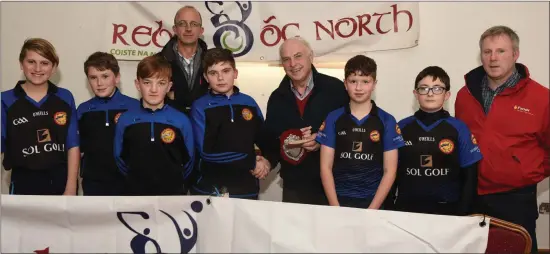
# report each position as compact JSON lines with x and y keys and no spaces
{"x":437,"y":169}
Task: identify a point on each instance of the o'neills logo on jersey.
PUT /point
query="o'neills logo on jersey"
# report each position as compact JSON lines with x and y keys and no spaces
{"x":168,"y":135}
{"x":60,"y":118}
{"x":356,"y":153}
{"x":117,"y":116}
{"x":293,"y":154}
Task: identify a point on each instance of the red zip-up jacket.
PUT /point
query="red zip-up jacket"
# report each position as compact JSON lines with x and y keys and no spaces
{"x":514,"y":137}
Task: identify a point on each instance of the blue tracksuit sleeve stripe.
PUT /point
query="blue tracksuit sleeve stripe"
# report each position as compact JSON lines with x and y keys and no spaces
{"x":188,"y":139}
{"x":198,"y":122}
{"x":118,"y":145}
{"x":73,"y":139}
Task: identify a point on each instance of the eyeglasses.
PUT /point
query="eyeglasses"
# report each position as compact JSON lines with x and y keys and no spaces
{"x":435,"y":90}
{"x":183,"y":23}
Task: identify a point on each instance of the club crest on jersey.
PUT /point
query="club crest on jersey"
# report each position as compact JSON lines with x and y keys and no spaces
{"x":397,"y":129}
{"x":374,"y":136}
{"x":446,"y":146}
{"x":60,"y":118}
{"x":117,"y":116}
{"x":322,"y":127}
{"x":167,"y":136}
{"x":247,"y":114}
{"x":474,"y":140}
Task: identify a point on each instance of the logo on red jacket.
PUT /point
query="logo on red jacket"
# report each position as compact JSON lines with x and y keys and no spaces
{"x":293,"y":154}
{"x":60,"y":118}
{"x":168,"y":135}
{"x":446,"y":146}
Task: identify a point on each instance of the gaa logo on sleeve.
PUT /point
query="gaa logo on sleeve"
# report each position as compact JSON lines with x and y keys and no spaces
{"x":474,"y":140}
{"x":397,"y":129}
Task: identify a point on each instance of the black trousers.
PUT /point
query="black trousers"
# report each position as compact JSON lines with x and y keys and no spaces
{"x":354,"y":202}
{"x":92,"y":187}
{"x":427,"y":207}
{"x":518,"y":206}
{"x":304,"y":194}
{"x":38,"y":182}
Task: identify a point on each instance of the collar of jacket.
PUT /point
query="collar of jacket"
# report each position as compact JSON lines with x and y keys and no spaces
{"x":168,"y":52}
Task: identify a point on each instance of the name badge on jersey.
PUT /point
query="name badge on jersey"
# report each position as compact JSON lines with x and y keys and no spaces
{"x":293,"y":155}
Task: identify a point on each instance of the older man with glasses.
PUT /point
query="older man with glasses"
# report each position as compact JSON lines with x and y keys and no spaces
{"x":184,"y":51}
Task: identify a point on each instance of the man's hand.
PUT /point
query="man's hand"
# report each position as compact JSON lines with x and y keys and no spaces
{"x":262,"y":168}
{"x":311,"y":145}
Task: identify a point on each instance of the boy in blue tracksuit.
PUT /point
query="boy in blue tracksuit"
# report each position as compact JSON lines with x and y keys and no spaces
{"x":359,"y":143}
{"x":226,"y":125}
{"x":97,"y":119}
{"x":153,"y":144}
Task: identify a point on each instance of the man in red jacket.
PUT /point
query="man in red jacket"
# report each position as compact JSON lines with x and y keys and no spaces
{"x":508,"y":114}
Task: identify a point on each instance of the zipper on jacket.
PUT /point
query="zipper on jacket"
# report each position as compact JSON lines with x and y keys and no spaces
{"x":152,"y":129}
{"x":231,"y":108}
{"x":107,"y":118}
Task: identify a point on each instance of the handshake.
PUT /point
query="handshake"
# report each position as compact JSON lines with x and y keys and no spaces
{"x":263,"y":167}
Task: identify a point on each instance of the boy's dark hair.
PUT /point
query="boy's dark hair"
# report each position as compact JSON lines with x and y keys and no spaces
{"x":217,"y":55}
{"x":102,"y":61}
{"x":437,"y":73}
{"x":360,"y":63}
{"x":154,"y":66}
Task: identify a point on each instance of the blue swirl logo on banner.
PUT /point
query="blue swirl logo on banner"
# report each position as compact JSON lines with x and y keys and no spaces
{"x":225,"y":26}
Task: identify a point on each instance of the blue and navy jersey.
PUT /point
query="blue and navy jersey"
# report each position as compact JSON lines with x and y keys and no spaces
{"x":36,"y":135}
{"x":154,"y":150}
{"x":359,"y":146}
{"x":97,"y":119}
{"x":226,"y":129}
{"x":431,"y":161}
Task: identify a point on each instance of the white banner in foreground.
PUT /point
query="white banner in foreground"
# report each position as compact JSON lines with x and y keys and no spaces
{"x":254,"y":30}
{"x":191,"y":224}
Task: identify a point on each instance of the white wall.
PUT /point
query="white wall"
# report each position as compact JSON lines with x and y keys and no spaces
{"x":449,"y":34}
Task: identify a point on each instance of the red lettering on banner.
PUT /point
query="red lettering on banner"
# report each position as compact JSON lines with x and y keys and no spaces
{"x":158,"y":33}
{"x":347,"y":21}
{"x":329,"y":32}
{"x":118,"y":34}
{"x":136,"y":32}
{"x":395,"y":13}
{"x":275,"y":30}
{"x":378,"y":22}
{"x":141,"y":36}
{"x":359,"y":24}
{"x":363,"y":25}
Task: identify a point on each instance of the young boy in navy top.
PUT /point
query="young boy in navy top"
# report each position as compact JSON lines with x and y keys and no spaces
{"x":437,"y":171}
{"x":359,"y":143}
{"x":153,"y":144}
{"x":97,"y":119}
{"x":226,"y":125}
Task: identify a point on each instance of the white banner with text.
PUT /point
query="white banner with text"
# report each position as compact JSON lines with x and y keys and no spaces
{"x":196,"y":224}
{"x":255,"y":30}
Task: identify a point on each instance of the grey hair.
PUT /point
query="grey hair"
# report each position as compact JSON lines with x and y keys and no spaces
{"x":298,"y":39}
